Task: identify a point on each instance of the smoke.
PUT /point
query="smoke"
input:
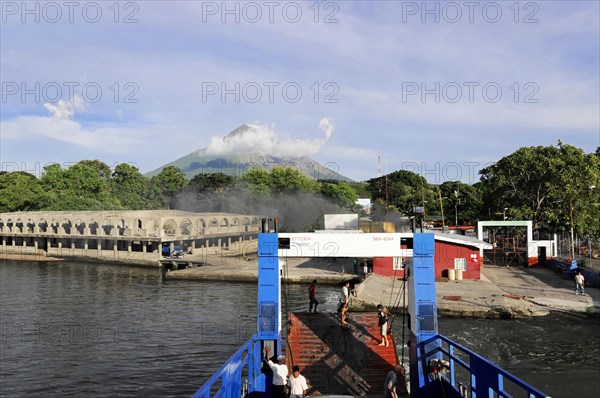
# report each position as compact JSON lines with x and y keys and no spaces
{"x":297,"y":212}
{"x":327,"y":127}
{"x":264,"y":140}
{"x":64,"y":110}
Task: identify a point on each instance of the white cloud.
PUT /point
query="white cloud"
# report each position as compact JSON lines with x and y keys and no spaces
{"x":65,"y":109}
{"x":263,"y":139}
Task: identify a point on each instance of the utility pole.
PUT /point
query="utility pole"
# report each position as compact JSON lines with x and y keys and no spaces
{"x":441,"y":208}
{"x":456,"y":208}
{"x":571,"y":217}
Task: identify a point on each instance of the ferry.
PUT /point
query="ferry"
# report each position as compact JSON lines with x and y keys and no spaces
{"x":347,"y":361}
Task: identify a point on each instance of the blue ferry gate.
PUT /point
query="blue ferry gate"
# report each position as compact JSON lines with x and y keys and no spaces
{"x":438,"y":366}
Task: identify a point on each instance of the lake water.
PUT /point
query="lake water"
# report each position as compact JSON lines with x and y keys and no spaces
{"x":73,"y":329}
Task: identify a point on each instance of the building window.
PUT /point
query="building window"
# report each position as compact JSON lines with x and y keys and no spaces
{"x":460,"y":263}
{"x":398,"y":264}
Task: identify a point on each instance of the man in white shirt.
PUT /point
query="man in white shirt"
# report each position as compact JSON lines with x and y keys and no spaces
{"x":297,"y":384}
{"x":280,"y":372}
{"x":579,"y":282}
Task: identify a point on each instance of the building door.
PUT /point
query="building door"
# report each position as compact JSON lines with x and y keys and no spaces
{"x":542,"y":255}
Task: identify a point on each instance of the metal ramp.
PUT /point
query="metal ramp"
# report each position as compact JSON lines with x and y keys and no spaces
{"x":337,"y":361}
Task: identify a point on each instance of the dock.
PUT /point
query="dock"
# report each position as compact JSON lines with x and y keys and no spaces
{"x":338,"y":361}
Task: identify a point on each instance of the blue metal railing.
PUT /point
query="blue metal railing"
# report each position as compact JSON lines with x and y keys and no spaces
{"x":231,"y":373}
{"x":486,"y":377}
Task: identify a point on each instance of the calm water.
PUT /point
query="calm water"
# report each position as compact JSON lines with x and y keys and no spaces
{"x":103,"y":330}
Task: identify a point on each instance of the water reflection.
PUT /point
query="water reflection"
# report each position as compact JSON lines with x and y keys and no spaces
{"x":70,"y":329}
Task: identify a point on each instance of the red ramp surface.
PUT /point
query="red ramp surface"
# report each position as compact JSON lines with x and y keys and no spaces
{"x":337,"y":361}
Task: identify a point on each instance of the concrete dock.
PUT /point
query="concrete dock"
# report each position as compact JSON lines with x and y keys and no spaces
{"x":500,"y":293}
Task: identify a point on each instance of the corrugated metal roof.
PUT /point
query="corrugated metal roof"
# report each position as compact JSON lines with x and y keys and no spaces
{"x":462,"y":240}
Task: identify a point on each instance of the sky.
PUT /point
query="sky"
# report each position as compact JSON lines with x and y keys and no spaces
{"x":366,"y":87}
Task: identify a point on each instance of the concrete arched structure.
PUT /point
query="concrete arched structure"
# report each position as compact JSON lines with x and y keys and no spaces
{"x":105,"y":234}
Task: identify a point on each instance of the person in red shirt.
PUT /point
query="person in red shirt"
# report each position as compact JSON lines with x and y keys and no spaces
{"x":312,"y":300}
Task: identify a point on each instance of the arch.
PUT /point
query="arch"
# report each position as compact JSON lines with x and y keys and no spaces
{"x":54,"y":226}
{"x":30,"y":226}
{"x":107,"y":226}
{"x":79,"y":226}
{"x":235,"y":222}
{"x":43,"y":225}
{"x":2,"y":225}
{"x":93,"y":225}
{"x":214,"y":222}
{"x":66,"y":225}
{"x":9,"y":225}
{"x":224,"y":222}
{"x":200,"y":226}
{"x":186,"y":226}
{"x":121,"y":226}
{"x":169,"y":227}
{"x":19,"y":226}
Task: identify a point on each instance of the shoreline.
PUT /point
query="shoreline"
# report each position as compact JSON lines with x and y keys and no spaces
{"x":501,"y":293}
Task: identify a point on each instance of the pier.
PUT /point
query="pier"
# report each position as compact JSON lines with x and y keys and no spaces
{"x":134,"y":237}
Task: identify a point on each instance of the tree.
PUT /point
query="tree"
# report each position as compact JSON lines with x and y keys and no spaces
{"x":342,"y":194}
{"x":403,"y":190}
{"x":211,"y":182}
{"x":20,"y":191}
{"x":289,"y":179}
{"x":79,"y":187}
{"x":130,"y":187}
{"x":258,"y":182}
{"x":210,"y":192}
{"x":540,"y":184}
{"x":165,"y":186}
{"x":461,"y":202}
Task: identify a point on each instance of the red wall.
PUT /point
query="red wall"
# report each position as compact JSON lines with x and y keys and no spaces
{"x":384,"y":266}
{"x":445,"y":253}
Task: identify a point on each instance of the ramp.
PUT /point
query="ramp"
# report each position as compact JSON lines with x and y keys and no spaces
{"x":337,"y":361}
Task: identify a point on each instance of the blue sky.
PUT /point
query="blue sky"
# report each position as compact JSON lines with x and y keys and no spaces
{"x":439,"y":88}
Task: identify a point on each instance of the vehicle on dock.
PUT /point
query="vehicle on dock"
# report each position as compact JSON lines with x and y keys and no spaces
{"x":347,"y":361}
{"x":177,"y":252}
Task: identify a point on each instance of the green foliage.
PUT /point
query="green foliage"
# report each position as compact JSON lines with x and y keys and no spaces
{"x":342,"y":193}
{"x":290,"y":179}
{"x":79,"y":187}
{"x":165,"y":186}
{"x":19,"y":191}
{"x":460,"y":201}
{"x":547,"y":184}
{"x":212,"y":182}
{"x":541,"y":183}
{"x":403,"y":190}
{"x":130,"y":187}
{"x":258,"y":181}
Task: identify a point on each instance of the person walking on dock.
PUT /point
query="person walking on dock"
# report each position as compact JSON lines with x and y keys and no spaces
{"x":579,"y":282}
{"x":383,"y":324}
{"x":391,"y":385}
{"x":280,"y":372}
{"x":343,"y":307}
{"x":297,"y":384}
{"x":312,"y":300}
